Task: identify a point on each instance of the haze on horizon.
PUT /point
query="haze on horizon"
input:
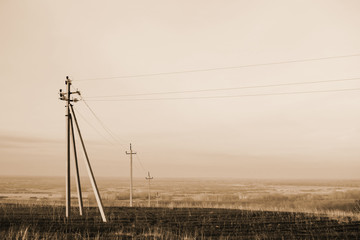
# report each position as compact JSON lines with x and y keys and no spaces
{"x":303,"y":136}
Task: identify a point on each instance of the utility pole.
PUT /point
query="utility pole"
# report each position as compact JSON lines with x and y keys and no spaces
{"x":70,"y":131}
{"x":68,"y":192}
{"x":131,"y":175}
{"x":157,"y":199}
{"x":149,"y":179}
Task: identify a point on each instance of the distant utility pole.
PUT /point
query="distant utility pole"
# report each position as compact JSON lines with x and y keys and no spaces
{"x":149,"y":179}
{"x":70,"y":132}
{"x":131,"y":175}
{"x":157,"y":199}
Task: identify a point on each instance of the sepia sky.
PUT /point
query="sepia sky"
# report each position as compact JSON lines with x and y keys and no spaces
{"x":99,"y":43}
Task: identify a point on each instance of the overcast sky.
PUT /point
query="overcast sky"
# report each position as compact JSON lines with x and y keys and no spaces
{"x":314,"y":135}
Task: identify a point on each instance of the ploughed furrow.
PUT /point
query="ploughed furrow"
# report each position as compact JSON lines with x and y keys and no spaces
{"x":166,"y":223}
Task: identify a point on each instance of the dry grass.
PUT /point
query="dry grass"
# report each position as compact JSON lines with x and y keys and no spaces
{"x":48,"y":222}
{"x":320,"y":200}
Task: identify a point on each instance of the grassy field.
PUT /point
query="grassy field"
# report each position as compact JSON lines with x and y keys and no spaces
{"x":299,"y":196}
{"x":32,"y":208}
{"x":47,"y":222}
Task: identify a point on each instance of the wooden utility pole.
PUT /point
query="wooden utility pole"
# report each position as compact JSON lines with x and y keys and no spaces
{"x":131,"y":175}
{"x":149,"y":179}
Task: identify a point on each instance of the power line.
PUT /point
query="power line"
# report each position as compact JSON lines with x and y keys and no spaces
{"x":138,"y":158}
{"x":219,"y":68}
{"x":102,"y":124}
{"x":113,"y":136}
{"x":89,"y":122}
{"x":225,"y":89}
{"x":229,"y":96}
{"x":91,"y":125}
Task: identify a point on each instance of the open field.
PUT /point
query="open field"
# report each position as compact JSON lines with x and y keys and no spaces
{"x":48,"y":222}
{"x":32,"y":208}
{"x":299,"y":196}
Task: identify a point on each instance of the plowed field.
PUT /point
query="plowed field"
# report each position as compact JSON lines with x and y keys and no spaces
{"x":48,"y":222}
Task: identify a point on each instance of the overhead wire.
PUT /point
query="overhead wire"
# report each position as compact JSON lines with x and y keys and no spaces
{"x":210,"y":90}
{"x":98,"y":132}
{"x":101,"y":122}
{"x":228,"y":96}
{"x":98,"y":119}
{"x":219,"y":68}
{"x":138,"y":158}
{"x":226,"y":89}
{"x":109,"y":132}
